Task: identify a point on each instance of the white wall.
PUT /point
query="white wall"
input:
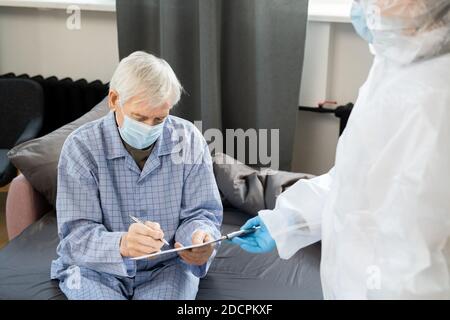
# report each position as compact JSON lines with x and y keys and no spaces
{"x":36,"y":41}
{"x":336,"y":64}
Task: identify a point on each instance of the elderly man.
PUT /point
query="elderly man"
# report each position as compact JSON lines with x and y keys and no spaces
{"x":136,"y":161}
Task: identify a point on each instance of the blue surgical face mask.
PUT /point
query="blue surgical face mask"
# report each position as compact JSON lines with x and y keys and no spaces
{"x":139,"y":135}
{"x":359,"y":22}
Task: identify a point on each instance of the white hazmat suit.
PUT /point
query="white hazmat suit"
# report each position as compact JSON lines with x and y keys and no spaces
{"x":383,"y":211}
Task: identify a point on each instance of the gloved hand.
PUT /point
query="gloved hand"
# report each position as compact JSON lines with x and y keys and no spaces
{"x":259,"y":241}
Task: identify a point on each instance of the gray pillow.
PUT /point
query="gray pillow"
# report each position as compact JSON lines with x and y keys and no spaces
{"x":37,"y":159}
{"x":248,"y":189}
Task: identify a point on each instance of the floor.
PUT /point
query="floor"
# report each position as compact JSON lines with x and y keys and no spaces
{"x":3,"y":234}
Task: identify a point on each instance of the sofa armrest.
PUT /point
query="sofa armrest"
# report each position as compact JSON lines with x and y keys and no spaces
{"x":24,"y":205}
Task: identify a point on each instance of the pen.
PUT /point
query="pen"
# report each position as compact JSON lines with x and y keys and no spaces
{"x":139,"y":221}
{"x":241,"y":232}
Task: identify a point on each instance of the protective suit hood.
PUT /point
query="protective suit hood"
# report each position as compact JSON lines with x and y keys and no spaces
{"x":406,"y":31}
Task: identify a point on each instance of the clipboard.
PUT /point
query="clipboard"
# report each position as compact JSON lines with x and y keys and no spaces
{"x":225,"y":237}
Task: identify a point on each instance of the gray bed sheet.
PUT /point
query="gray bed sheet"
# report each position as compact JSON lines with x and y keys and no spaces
{"x":234,"y":274}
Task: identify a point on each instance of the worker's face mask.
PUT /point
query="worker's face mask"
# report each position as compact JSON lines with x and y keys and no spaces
{"x":137,"y":134}
{"x":359,"y":22}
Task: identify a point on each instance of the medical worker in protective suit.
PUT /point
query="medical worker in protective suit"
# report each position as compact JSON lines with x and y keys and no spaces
{"x":383,"y":211}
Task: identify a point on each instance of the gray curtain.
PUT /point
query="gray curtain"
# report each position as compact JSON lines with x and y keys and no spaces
{"x":240,"y":61}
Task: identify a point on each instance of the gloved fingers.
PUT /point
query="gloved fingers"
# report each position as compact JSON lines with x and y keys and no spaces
{"x":253,"y":222}
{"x":251,"y":249}
{"x":237,"y":241}
{"x":249,"y":236}
{"x":241,"y":241}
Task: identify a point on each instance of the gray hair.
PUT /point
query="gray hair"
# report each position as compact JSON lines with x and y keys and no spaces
{"x":148,"y":77}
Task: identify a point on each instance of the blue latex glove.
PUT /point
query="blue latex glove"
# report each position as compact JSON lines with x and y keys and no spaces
{"x":259,"y":241}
